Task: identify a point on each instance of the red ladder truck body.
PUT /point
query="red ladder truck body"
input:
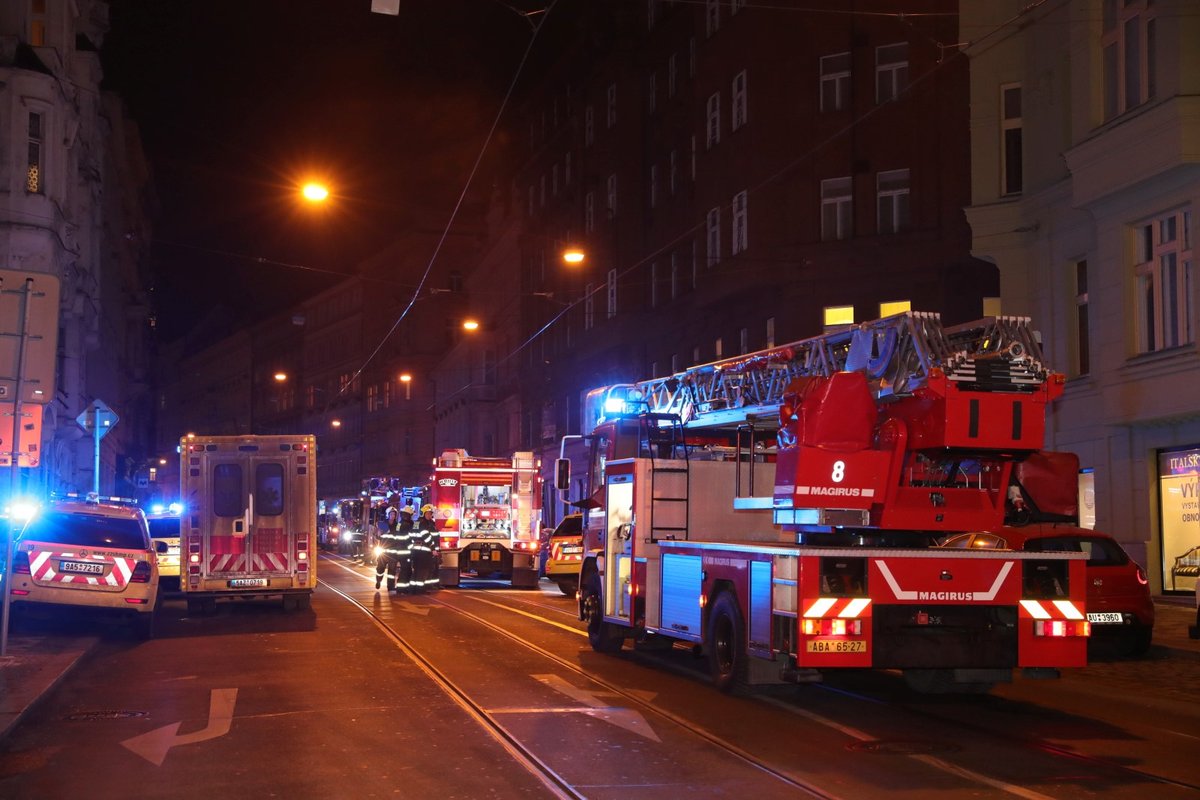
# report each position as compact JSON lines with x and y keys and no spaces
{"x":782,"y":509}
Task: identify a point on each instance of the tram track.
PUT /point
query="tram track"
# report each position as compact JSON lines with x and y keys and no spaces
{"x":525,"y":755}
{"x":975,"y":731}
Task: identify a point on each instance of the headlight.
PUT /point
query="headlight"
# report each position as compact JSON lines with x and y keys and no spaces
{"x":347,"y":536}
{"x":378,"y":551}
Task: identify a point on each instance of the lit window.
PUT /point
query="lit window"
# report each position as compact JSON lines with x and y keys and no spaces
{"x":714,"y":236}
{"x":34,"y":176}
{"x":1010,"y":131}
{"x":892,"y":195}
{"x":839,"y":315}
{"x":37,"y":23}
{"x":894,"y":307}
{"x":836,"y":207}
{"x":891,"y":71}
{"x":835,"y":81}
{"x":740,"y":233}
{"x":713,"y":129}
{"x":719,"y":348}
{"x":1164,"y":282}
{"x":739,"y":100}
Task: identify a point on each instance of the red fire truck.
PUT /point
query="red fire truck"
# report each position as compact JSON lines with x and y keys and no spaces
{"x":489,"y":515}
{"x":781,"y":509}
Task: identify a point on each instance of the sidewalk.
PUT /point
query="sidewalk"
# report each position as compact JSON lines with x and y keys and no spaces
{"x":35,"y":664}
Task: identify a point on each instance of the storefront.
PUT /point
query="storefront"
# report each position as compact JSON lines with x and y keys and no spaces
{"x":1179,"y":513}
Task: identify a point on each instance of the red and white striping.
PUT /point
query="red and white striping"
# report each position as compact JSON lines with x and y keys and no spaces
{"x":259,"y":562}
{"x":42,"y":568}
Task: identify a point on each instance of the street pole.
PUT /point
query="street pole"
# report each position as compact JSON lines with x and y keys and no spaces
{"x":96,"y":434}
{"x":14,"y":465}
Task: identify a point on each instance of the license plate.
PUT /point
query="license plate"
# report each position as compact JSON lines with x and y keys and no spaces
{"x":1108,"y":618}
{"x":242,"y":583}
{"x":849,"y":646}
{"x":83,"y":567}
{"x":572,"y":551}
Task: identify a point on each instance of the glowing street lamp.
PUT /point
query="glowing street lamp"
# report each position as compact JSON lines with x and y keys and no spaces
{"x":573,"y":256}
{"x":470,"y":325}
{"x":337,"y":423}
{"x":314,"y":192}
{"x":406,"y":379}
{"x":280,"y":377}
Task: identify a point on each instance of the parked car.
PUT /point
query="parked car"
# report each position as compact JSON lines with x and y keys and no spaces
{"x":164,"y":527}
{"x":91,"y":557}
{"x":1119,"y":605}
{"x":565,"y":553}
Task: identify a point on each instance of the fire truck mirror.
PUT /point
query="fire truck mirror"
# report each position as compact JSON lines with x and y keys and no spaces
{"x":562,"y":474}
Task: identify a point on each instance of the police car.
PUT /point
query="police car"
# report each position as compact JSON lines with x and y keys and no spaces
{"x":90,"y":557}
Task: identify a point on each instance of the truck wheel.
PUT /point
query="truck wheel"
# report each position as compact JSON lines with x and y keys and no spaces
{"x":725,"y":645}
{"x":195,"y":607}
{"x":146,"y":625}
{"x":604,"y":637}
{"x":567,"y":586}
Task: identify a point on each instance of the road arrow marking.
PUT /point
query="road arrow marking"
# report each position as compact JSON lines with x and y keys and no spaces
{"x":153,"y":746}
{"x":413,"y":608}
{"x":625,"y":718}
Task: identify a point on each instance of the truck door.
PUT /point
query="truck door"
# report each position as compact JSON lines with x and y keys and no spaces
{"x":249,"y":535}
{"x":618,"y":540}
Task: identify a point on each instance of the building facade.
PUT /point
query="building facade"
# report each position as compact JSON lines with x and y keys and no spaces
{"x":74,"y":204}
{"x":1085,"y":121}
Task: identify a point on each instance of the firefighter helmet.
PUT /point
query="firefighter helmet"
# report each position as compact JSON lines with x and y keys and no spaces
{"x":427,"y":507}
{"x":407,"y":510}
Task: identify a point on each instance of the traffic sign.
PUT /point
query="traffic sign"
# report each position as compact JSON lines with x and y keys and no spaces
{"x":28,"y":335}
{"x":97,"y":419}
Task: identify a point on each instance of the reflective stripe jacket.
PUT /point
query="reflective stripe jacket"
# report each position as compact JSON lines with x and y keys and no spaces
{"x":424,"y":538}
{"x":397,"y":542}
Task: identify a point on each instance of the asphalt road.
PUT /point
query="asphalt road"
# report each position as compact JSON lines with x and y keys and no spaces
{"x":490,"y":692}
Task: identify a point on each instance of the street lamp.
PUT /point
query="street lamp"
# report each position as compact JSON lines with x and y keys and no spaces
{"x":314,"y":192}
{"x":406,"y":379}
{"x":573,"y":256}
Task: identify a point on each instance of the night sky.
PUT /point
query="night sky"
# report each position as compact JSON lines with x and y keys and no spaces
{"x":238,"y":100}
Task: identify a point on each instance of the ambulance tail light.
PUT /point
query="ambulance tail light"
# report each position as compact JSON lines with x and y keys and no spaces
{"x":302,"y":553}
{"x":448,"y":542}
{"x":21,"y":563}
{"x":141,"y":573}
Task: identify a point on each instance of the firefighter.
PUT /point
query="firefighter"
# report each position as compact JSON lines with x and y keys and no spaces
{"x":424,"y":547}
{"x":406,"y":533}
{"x":395,"y":543}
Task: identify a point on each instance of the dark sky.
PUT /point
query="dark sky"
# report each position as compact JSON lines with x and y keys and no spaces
{"x":237,"y":100}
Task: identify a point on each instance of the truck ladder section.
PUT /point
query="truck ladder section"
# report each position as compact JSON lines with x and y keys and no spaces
{"x":898,"y":354}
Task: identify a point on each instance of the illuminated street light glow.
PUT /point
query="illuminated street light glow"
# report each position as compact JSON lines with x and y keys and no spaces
{"x":314,"y":192}
{"x":280,"y":377}
{"x":405,"y":377}
{"x":573,"y":255}
{"x":337,"y":423}
{"x":470,"y":325}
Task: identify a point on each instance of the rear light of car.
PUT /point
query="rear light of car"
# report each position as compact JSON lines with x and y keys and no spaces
{"x":21,"y":563}
{"x":141,"y":573}
{"x":1141,"y":577}
{"x":1062,"y":628}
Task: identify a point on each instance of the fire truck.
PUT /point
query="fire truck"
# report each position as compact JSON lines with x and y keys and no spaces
{"x":249,"y":529}
{"x":781,"y":510}
{"x":488,"y":513}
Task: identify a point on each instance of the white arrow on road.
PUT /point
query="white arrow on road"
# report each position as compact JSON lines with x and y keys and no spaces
{"x":625,"y":718}
{"x":153,"y":746}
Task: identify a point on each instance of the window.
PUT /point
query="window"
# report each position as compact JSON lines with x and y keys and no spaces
{"x":268,"y":490}
{"x":713,"y":129}
{"x":894,"y":307}
{"x":671,"y":75}
{"x":835,"y":81}
{"x":695,"y":355}
{"x":691,"y":56}
{"x":542,"y":192}
{"x":676,"y":289}
{"x":891,"y":71}
{"x":227,"y":490}
{"x":37,"y":23}
{"x":718,"y":348}
{"x":1082,"y":336}
{"x":892,"y":194}
{"x":736,"y":6}
{"x":611,"y":117}
{"x":743,"y":341}
{"x":554,"y":180}
{"x":673,"y":171}
{"x":653,"y":284}
{"x":612,"y":196}
{"x":372,"y":398}
{"x":1164,"y":282}
{"x":34,"y":176}
{"x":589,"y":307}
{"x":1129,"y":42}
{"x":612,"y":293}
{"x":1010,"y":131}
{"x":739,"y":100}
{"x":693,"y":165}
{"x":567,"y":169}
{"x":653,"y":91}
{"x":651,"y":10}
{"x":838,"y":315}
{"x":589,"y":212}
{"x":589,"y":126}
{"x":770,"y":331}
{"x":836,"y":206}
{"x":714,"y":236}
{"x":674,"y":363}
{"x":712,"y":17}
{"x":740,"y":233}
{"x":653,"y":185}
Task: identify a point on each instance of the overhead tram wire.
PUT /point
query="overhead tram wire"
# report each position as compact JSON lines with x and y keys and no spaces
{"x":537,"y":27}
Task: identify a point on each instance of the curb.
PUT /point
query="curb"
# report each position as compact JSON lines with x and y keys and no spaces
{"x":46,"y":673}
